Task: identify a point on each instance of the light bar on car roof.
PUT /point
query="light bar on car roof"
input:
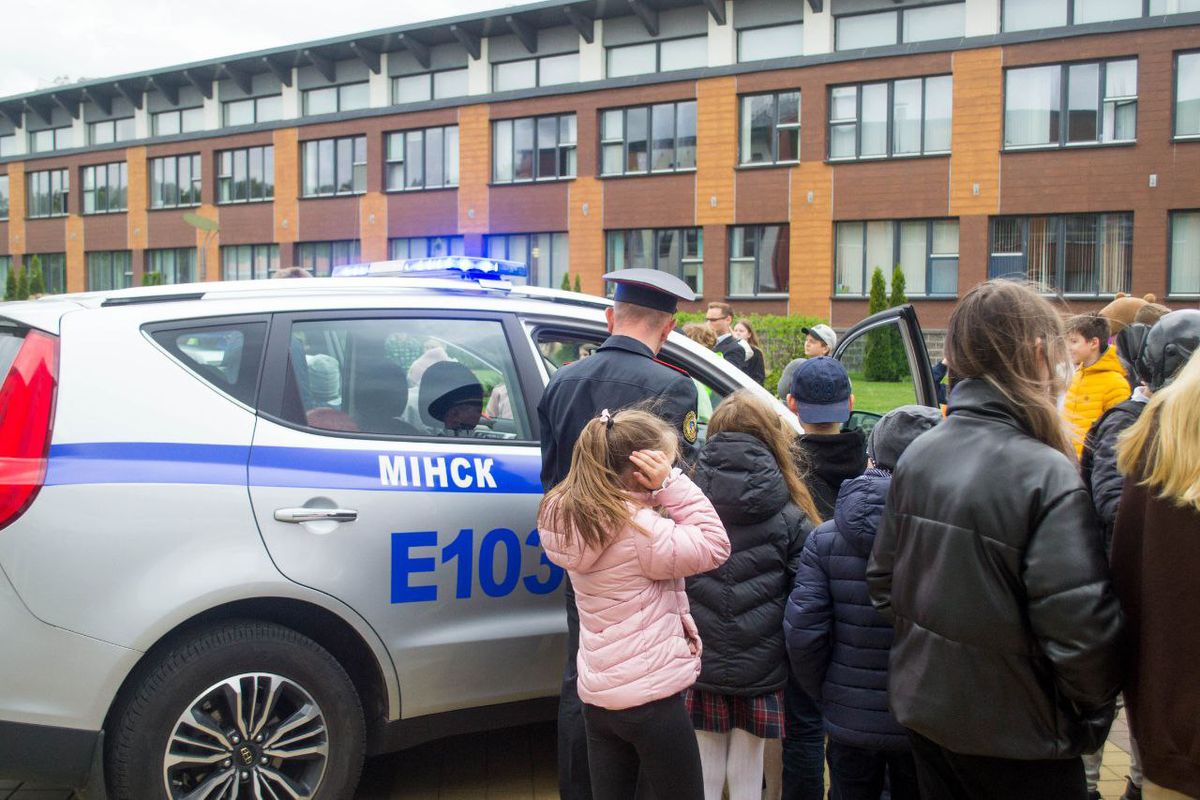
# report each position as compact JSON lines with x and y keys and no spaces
{"x":466,"y":268}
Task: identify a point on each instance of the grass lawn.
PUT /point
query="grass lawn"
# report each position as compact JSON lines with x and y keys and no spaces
{"x":879,"y":396}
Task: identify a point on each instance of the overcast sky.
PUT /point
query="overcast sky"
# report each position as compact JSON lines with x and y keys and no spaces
{"x":44,"y":39}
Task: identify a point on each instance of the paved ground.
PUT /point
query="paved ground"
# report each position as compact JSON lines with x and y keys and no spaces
{"x":516,"y":764}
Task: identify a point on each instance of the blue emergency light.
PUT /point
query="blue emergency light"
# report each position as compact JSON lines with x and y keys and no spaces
{"x":467,"y":268}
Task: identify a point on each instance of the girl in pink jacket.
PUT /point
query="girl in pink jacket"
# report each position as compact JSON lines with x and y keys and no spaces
{"x":638,"y":646}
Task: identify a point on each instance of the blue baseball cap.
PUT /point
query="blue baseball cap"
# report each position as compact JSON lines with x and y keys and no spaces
{"x":821,"y":389}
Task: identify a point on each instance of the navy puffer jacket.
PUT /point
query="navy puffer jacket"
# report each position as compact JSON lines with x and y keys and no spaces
{"x":838,"y":643}
{"x":738,"y":607}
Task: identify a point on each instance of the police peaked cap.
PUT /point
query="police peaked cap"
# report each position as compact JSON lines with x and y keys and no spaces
{"x":1168,"y":346}
{"x":650,"y":288}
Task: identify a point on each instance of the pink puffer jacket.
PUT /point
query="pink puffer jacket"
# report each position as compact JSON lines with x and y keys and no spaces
{"x":637,"y":640}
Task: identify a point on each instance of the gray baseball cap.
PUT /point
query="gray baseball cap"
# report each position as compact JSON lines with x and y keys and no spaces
{"x":896,"y":430}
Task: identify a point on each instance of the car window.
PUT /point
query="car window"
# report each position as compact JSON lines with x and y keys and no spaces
{"x":226,"y":355}
{"x":452,"y":378}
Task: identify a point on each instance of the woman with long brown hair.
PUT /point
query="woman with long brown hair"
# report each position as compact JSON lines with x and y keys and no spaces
{"x":756,"y":366}
{"x":638,"y":645}
{"x":990,"y":565}
{"x":1156,"y":558}
{"x":748,"y":469}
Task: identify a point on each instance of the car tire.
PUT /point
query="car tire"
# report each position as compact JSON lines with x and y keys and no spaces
{"x":268,"y":675}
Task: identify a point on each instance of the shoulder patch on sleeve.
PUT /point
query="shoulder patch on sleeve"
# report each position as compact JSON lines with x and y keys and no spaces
{"x":689,"y":427}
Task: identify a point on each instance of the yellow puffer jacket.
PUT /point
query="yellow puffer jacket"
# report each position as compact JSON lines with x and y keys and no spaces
{"x":1093,"y":391}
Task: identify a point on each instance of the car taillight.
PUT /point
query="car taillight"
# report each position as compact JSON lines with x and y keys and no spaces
{"x":26,"y":416}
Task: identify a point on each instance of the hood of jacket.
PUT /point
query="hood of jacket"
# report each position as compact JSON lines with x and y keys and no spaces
{"x":740,"y":476}
{"x":837,"y":457}
{"x":860,"y":508}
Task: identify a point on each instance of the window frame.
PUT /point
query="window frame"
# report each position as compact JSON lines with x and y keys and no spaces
{"x":1171,"y":215}
{"x":157,"y":115}
{"x":176,"y":252}
{"x":738,"y":41}
{"x":455,"y":242}
{"x":899,"y":11}
{"x":658,"y":43}
{"x":92,"y":126}
{"x":55,"y":133}
{"x":1175,"y":135}
{"x":561,"y":148}
{"x":110,"y":267}
{"x":624,"y":140}
{"x":63,"y":175}
{"x":930,"y":257}
{"x":352,"y":246}
{"x":123,"y":176}
{"x":532,"y":279}
{"x":1070,"y":17}
{"x":337,"y":87}
{"x":1064,"y":109}
{"x":681,"y":232}
{"x":271,"y":250}
{"x":196,"y":182}
{"x":316,"y":143}
{"x":254,"y":101}
{"x":5,"y":196}
{"x":431,"y":79}
{"x":448,"y":154}
{"x":890,"y":83}
{"x":8,"y":145}
{"x":56,"y":280}
{"x":759,"y":230}
{"x":537,"y":71}
{"x":267,"y":157}
{"x":1060,"y":256}
{"x":775,"y":128}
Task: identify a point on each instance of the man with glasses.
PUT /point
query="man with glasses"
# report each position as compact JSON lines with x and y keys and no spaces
{"x":737,"y":352}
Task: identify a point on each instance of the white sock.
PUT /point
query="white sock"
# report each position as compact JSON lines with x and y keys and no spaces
{"x":745,"y":765}
{"x":714,"y":751}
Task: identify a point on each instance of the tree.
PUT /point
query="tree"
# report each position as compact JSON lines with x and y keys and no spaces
{"x":23,"y":285}
{"x":578,"y":285}
{"x":37,"y":281}
{"x":566,"y":282}
{"x":10,"y":284}
{"x":879,"y":360}
{"x":152,"y":279}
{"x":896,"y":299}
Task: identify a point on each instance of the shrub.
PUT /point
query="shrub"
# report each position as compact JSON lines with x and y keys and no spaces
{"x":782,"y":338}
{"x":878,"y":361}
{"x":152,"y":279}
{"x":578,"y":284}
{"x":37,"y":281}
{"x":10,"y":284}
{"x":566,"y":282}
{"x":23,"y":285}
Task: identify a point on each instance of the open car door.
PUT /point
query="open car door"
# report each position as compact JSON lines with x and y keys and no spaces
{"x":897,"y":331}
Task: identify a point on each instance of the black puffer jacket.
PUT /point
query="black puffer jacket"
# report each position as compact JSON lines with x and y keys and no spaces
{"x":991,"y":566}
{"x":1099,"y":463}
{"x":738,"y":607}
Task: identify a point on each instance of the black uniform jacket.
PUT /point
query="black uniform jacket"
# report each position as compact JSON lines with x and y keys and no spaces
{"x":623,"y":372}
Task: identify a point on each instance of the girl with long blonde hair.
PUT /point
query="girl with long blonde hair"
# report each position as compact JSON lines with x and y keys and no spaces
{"x":629,"y":527}
{"x":1155,"y":561}
{"x":748,"y":469}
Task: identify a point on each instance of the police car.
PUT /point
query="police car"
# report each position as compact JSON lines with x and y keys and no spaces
{"x":250,"y":532}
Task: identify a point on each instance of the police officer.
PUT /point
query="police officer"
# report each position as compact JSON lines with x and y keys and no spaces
{"x":624,"y":371}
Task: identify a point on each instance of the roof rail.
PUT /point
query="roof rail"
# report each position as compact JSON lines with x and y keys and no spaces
{"x":152,"y":298}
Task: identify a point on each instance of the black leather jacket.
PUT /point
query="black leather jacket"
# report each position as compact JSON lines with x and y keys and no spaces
{"x":990,"y":564}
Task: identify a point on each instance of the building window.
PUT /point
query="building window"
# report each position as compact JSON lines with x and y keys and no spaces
{"x":777,"y":41}
{"x":426,"y":247}
{"x":425,"y":159}
{"x":679,"y":251}
{"x":334,"y":99}
{"x":919,"y":24}
{"x":1185,"y":253}
{"x":530,"y":72}
{"x":105,"y":188}
{"x":51,"y":139}
{"x":175,"y":181}
{"x":660,"y":138}
{"x":1070,"y":104}
{"x":672,"y":54}
{"x":247,"y":175}
{"x":335,"y":166}
{"x":1187,"y":95}
{"x":5,"y":267}
{"x":8,"y":145}
{"x":429,"y":86}
{"x":545,"y":254}
{"x":54,"y":270}
{"x":112,"y":130}
{"x":533,"y":149}
{"x":1027,"y":15}
{"x":184,"y":120}
{"x":1075,"y":254}
{"x":244,"y":262}
{"x":252,"y":110}
{"x":909,"y":117}
{"x":176,"y":265}
{"x":3,"y":197}
{"x":770,"y":129}
{"x":320,"y":258}
{"x":47,"y":193}
{"x":111,"y":269}
{"x":925,"y":250}
{"x":758,"y":260}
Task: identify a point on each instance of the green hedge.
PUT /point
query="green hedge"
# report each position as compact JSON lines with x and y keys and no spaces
{"x":782,"y":338}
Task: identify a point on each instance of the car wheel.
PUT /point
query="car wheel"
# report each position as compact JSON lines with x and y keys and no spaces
{"x":239,"y":710}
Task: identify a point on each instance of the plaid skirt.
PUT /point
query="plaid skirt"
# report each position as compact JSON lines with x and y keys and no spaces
{"x":760,"y":715}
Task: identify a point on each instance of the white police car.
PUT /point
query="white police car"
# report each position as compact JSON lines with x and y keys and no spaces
{"x":252,"y":531}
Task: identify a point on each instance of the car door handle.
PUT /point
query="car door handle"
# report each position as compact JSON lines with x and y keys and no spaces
{"x":299,"y":515}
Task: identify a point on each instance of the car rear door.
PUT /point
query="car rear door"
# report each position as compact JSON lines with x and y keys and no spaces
{"x":361,"y":491}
